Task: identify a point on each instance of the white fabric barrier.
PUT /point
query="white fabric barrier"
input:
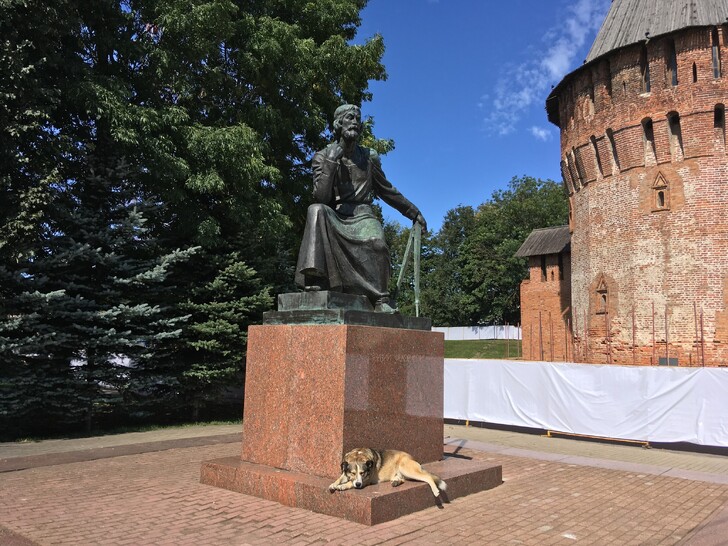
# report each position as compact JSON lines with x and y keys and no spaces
{"x":655,"y":404}
{"x":460,"y":333}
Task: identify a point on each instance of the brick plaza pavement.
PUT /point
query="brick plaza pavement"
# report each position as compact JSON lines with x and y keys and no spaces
{"x":155,"y":497}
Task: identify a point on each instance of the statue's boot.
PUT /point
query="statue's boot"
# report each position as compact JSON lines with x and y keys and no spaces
{"x":382,"y":306}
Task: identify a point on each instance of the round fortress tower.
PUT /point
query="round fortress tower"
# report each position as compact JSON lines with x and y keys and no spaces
{"x":645,"y":161}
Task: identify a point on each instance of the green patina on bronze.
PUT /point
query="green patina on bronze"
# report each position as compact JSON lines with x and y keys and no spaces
{"x":343,"y":247}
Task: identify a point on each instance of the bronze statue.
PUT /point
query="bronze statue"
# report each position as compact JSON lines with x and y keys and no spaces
{"x":343,"y":247}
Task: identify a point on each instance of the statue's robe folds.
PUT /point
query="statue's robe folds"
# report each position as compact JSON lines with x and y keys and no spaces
{"x":343,"y":247}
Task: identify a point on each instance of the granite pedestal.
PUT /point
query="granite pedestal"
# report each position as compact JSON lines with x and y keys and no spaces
{"x":314,"y":391}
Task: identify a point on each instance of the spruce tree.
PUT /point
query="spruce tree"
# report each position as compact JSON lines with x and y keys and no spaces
{"x":215,"y":107}
{"x":89,"y":307}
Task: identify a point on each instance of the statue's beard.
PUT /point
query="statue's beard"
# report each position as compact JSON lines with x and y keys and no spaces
{"x":351,"y":134}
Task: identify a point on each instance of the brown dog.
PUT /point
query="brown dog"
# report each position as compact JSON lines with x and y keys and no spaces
{"x":364,"y":466}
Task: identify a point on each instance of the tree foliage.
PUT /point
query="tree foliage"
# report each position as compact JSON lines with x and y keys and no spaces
{"x":446,"y":297}
{"x":470,"y":274}
{"x":91,"y":306}
{"x":213,"y":108}
{"x":502,"y":224}
{"x":397,"y":237}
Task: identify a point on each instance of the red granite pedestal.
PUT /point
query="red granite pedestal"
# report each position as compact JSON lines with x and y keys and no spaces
{"x":313,"y":392}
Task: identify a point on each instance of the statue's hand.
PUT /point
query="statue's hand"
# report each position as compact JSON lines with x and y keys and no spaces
{"x":421,"y":220}
{"x":334,"y":152}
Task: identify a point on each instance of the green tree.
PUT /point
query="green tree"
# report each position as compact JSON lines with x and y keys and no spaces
{"x":259,"y":83}
{"x":216,"y":107}
{"x":396,"y":237}
{"x":492,"y":275}
{"x":446,"y":296}
{"x":87,"y":311}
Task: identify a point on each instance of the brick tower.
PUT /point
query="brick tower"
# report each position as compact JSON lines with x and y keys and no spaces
{"x":645,"y":162}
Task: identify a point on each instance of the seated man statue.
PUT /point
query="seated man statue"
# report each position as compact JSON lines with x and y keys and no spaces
{"x":343,"y":247}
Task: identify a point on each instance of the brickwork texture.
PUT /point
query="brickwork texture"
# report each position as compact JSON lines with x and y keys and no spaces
{"x":646,"y":168}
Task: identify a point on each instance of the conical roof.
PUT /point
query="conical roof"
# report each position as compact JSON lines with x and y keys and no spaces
{"x":629,"y":21}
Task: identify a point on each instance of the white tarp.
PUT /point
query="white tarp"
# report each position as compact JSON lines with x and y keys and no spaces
{"x":479,"y":332}
{"x":656,"y":404}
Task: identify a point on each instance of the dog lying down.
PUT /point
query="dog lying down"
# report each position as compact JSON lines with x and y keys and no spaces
{"x":364,"y":466}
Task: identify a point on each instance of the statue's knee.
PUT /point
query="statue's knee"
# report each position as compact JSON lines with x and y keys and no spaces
{"x":316,"y":209}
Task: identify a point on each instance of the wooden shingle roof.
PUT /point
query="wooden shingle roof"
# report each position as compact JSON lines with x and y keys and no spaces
{"x":629,"y":21}
{"x":542,"y":241}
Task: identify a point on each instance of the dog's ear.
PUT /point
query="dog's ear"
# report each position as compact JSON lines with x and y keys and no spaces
{"x":344,"y":467}
{"x":369,"y":464}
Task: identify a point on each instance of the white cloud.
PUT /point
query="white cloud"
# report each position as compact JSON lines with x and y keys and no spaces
{"x":541,"y":133}
{"x":520,"y":86}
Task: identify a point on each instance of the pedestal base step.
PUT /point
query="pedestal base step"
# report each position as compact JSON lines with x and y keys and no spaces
{"x":369,"y":506}
{"x":328,"y":307}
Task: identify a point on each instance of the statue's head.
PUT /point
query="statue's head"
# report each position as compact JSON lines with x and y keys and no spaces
{"x":342,"y":121}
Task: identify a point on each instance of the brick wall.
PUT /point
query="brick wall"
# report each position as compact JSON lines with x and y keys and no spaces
{"x":545,"y":310}
{"x":649,"y":262}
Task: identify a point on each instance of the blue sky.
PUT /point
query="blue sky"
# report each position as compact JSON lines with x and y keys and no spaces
{"x":464,"y":100}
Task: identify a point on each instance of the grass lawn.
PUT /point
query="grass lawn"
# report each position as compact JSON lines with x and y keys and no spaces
{"x":483,"y":348}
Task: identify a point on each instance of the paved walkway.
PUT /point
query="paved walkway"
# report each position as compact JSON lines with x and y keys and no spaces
{"x":143,"y":488}
{"x":24,"y":455}
{"x":690,"y":465}
{"x":25,"y":449}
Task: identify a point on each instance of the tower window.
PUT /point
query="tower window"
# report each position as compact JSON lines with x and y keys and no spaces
{"x":716,"y":54}
{"x":676,"y":142}
{"x":566,"y":175}
{"x":608,"y":79}
{"x":580,"y":171}
{"x":602,"y":298}
{"x":648,"y":136}
{"x":661,"y":192}
{"x":695,"y":73}
{"x":671,"y":59}
{"x":589,"y":110}
{"x":597,"y":159}
{"x":590,"y":104}
{"x":644,"y":70}
{"x":543,"y":268}
{"x":719,"y":125}
{"x":571,"y":214}
{"x":573,"y":171}
{"x":613,"y":147}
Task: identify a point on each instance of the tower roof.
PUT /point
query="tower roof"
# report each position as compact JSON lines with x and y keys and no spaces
{"x":629,"y":21}
{"x":553,"y":240}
